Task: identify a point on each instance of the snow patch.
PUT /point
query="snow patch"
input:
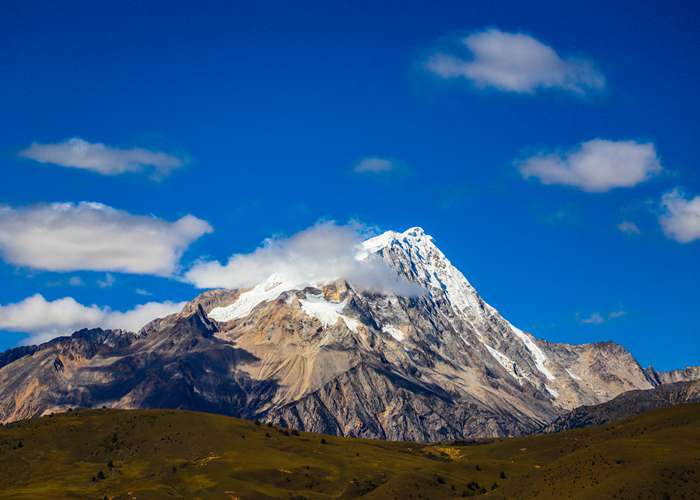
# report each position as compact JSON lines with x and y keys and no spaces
{"x":268,"y":290}
{"x":373,"y":245}
{"x":537,"y":355}
{"x":328,"y":313}
{"x":504,"y":361}
{"x":572,"y":375}
{"x":394,"y":332}
{"x":553,"y":392}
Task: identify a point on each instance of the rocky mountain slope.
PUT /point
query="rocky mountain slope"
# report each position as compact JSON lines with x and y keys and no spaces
{"x":683,"y":375}
{"x":434,"y":362}
{"x":628,"y":404}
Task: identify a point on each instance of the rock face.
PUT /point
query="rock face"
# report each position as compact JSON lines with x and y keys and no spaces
{"x":628,"y":404}
{"x":683,"y":375}
{"x":435,"y":364}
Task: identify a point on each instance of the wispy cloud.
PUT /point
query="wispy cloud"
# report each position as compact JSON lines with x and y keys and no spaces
{"x":596,"y":166}
{"x":598,"y":318}
{"x":107,"y":281}
{"x":94,"y":237}
{"x":629,"y":227}
{"x":515,"y":62}
{"x":680,"y":217}
{"x":374,"y":166}
{"x":45,"y":319}
{"x":593,"y":319}
{"x":103,"y":159}
{"x":322,"y":253}
{"x":76,"y":281}
{"x":564,"y":215}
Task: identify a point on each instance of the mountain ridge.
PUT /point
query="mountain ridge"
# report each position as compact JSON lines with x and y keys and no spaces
{"x":333,"y":357}
{"x":626,"y":405}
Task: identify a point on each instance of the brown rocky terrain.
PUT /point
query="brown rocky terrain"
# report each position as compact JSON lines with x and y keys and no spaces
{"x":440,"y":364}
{"x":628,"y":404}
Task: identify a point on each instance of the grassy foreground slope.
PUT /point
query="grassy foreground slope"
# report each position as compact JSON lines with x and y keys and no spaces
{"x":177,"y":454}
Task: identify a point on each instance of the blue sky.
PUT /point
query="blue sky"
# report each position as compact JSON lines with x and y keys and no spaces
{"x":262,"y":111}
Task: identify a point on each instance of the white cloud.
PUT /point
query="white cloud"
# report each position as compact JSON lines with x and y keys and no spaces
{"x":516,"y":62}
{"x":97,"y":157}
{"x":680,"y":219}
{"x":628,"y":227}
{"x":44,"y":319}
{"x":598,"y":165}
{"x":143,"y":291}
{"x":319,"y":254}
{"x":373,"y":166}
{"x":94,"y":237}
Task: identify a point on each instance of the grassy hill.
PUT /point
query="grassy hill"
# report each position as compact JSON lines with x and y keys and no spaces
{"x":178,"y":454}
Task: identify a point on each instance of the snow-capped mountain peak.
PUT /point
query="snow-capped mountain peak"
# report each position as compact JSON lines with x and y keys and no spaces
{"x":375,"y":244}
{"x":448,"y":320}
{"x":316,"y":352}
{"x":413,"y":254}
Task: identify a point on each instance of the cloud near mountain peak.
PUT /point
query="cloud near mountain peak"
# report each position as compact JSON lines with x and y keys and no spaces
{"x":321,"y":253}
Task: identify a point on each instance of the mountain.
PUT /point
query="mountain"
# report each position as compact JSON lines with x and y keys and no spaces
{"x":429,"y":361}
{"x":628,"y":404}
{"x":180,"y":454}
{"x":683,"y":375}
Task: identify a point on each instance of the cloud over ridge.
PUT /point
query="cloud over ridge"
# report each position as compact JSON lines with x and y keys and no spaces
{"x":94,"y":237}
{"x":100,"y":158}
{"x":515,"y":62}
{"x":45,"y":319}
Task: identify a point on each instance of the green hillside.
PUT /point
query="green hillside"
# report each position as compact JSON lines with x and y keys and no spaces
{"x":177,"y":454}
